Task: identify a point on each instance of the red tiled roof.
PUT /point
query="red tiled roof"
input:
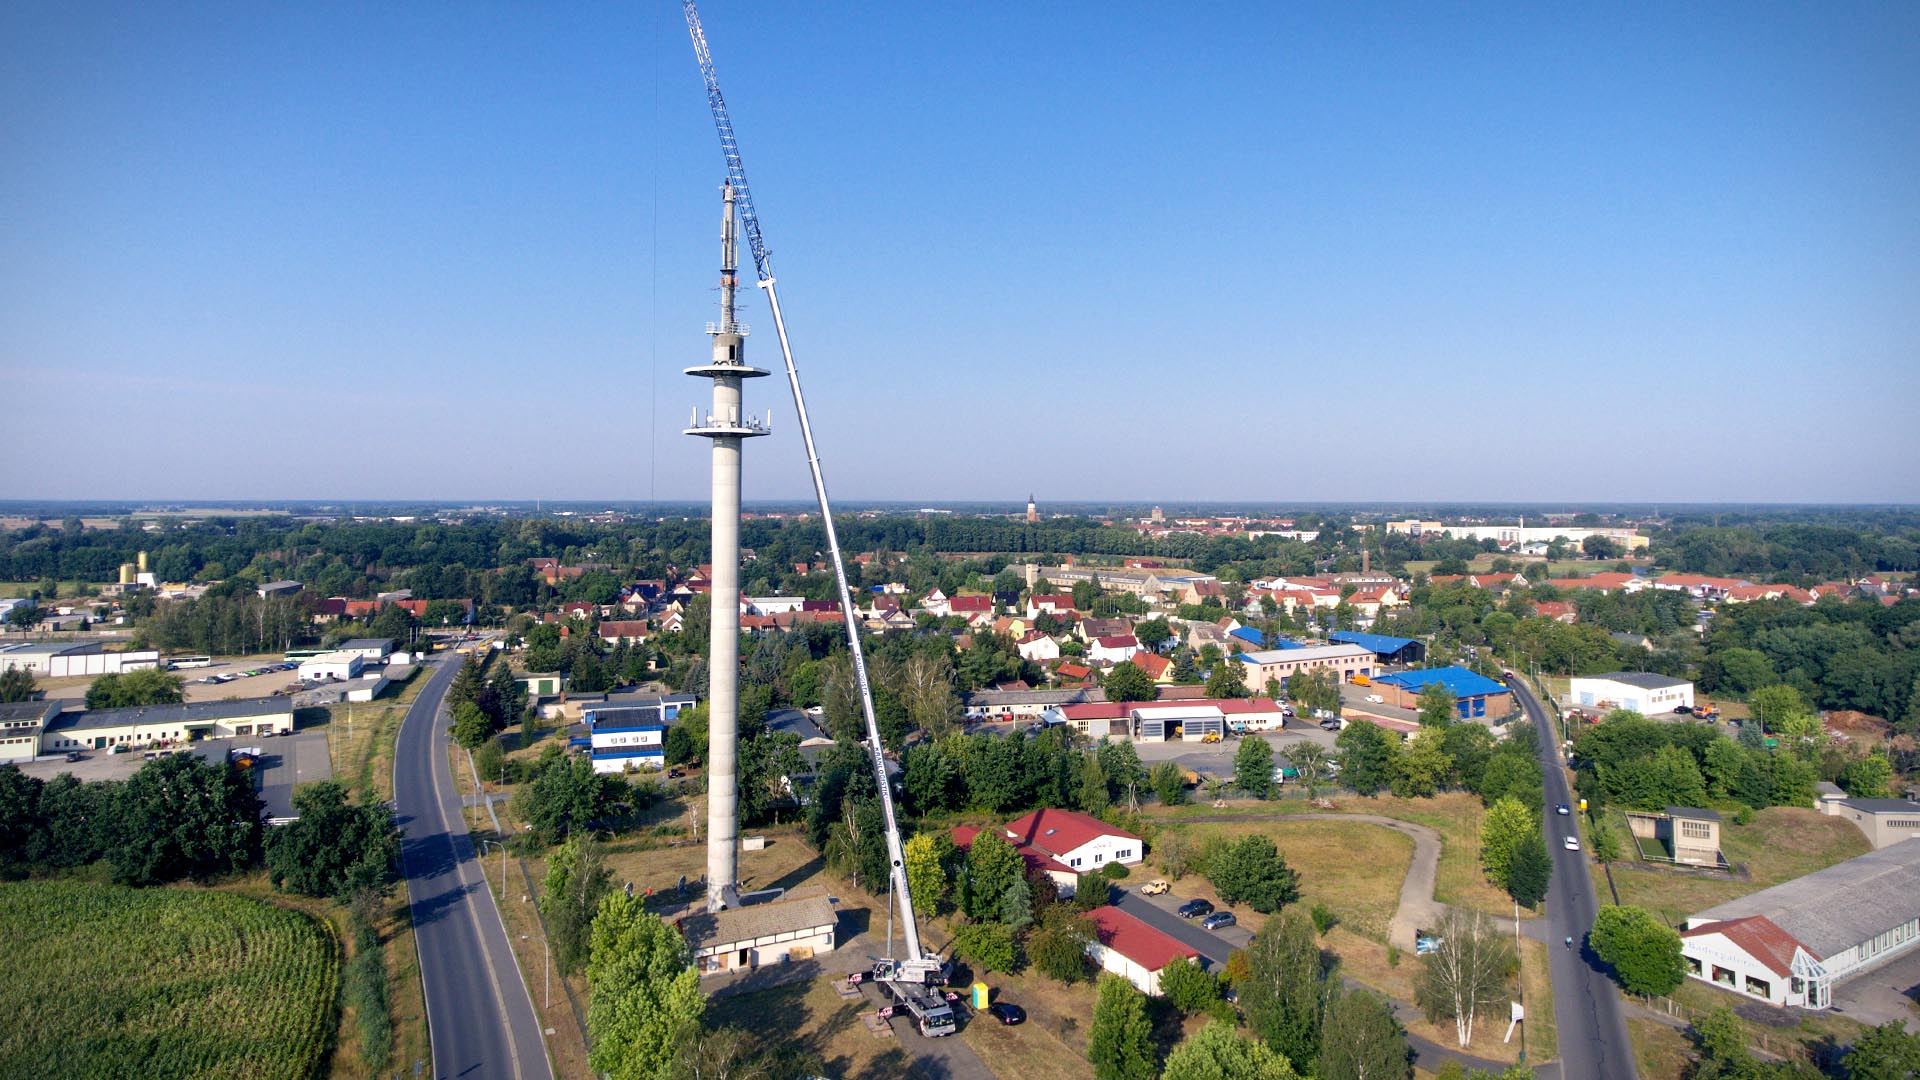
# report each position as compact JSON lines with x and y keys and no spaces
{"x":1135,"y":940}
{"x":970,"y":603}
{"x":1072,"y":670}
{"x":1552,"y":609}
{"x":638,"y":627}
{"x":1053,"y":600}
{"x":1153,"y":664}
{"x":1124,"y":641}
{"x":1698,"y":581}
{"x":1056,"y":832}
{"x":1758,"y":937}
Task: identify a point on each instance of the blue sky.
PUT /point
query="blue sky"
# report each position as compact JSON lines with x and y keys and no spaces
{"x":1101,"y":251}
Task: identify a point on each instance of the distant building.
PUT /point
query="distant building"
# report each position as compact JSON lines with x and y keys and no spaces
{"x":21,"y":725}
{"x":338,"y":665}
{"x":1641,"y":691}
{"x":1793,"y":943}
{"x":1386,"y":649}
{"x":1884,"y":821}
{"x":61,"y":659}
{"x":624,"y":733}
{"x":149,"y":725}
{"x":1343,"y":662}
{"x":374,"y":649}
{"x":279,"y":588}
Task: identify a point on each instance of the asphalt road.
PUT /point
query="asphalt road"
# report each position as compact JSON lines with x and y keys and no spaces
{"x":1586,"y":1008}
{"x":479,"y":1014}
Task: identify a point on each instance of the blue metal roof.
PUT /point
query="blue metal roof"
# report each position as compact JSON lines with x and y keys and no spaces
{"x":1380,"y":643}
{"x":1462,"y":682}
{"x":1248,"y":633}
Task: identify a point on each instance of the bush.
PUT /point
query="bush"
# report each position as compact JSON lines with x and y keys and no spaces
{"x":1252,"y":870}
{"x":1059,"y":948}
{"x":1114,"y":871}
{"x":1187,"y":986}
{"x":990,"y":946}
{"x":1323,"y":918}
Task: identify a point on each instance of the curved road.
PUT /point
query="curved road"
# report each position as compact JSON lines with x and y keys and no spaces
{"x":479,"y":1014}
{"x":1586,"y":1008}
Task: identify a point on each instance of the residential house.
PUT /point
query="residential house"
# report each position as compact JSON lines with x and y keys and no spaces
{"x":1107,"y":651}
{"x":1038,"y":647}
{"x":1064,"y":844}
{"x":1059,"y":605}
{"x":1091,"y":628}
{"x":1157,"y":667}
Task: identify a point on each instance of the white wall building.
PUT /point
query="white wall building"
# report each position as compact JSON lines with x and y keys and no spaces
{"x":1792,"y":943}
{"x":781,"y":931}
{"x":150,"y":725}
{"x":1133,"y":950}
{"x":375,"y":650}
{"x":1643,"y":692}
{"x":333,"y":667}
{"x":60,"y":659}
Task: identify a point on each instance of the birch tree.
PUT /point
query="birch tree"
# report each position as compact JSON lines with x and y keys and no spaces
{"x":1467,"y":973}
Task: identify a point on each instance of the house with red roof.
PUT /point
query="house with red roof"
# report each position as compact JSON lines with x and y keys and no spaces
{"x":1742,"y":594}
{"x":634,"y":631}
{"x":1059,"y":605}
{"x":1063,"y":844}
{"x":1113,"y":650}
{"x":1699,"y":586}
{"x":1133,"y":950}
{"x":1157,"y":667}
{"x":1071,"y":673}
{"x":1557,"y":610}
{"x":1609,"y":582}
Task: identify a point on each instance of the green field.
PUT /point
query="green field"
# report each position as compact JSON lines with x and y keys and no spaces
{"x":107,"y":981}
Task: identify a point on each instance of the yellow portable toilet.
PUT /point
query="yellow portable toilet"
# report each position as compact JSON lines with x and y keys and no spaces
{"x":979,"y":995}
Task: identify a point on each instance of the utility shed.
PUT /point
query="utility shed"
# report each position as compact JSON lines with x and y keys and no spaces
{"x":1792,"y":943}
{"x":778,"y":932}
{"x":1194,"y":721}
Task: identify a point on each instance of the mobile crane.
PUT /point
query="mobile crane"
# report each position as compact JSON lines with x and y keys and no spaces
{"x":913,"y":980}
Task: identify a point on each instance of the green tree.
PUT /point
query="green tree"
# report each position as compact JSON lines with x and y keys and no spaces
{"x":1120,"y":1041}
{"x":644,"y":1000}
{"x":1185,"y":671}
{"x":566,"y":796}
{"x":1252,"y":870}
{"x":1530,"y":873}
{"x":989,"y":945}
{"x":1867,"y":777}
{"x":334,"y":847}
{"x":1505,"y":828}
{"x":1253,"y":767}
{"x":148,"y":686}
{"x":182,"y":817}
{"x":1016,"y":905}
{"x":1170,"y":783}
{"x":1604,"y":844}
{"x":1781,"y":710}
{"x":472,"y":727}
{"x":1228,"y":679}
{"x":16,"y":684}
{"x":1152,"y":633}
{"x":992,"y":868}
{"x":1218,"y":1052}
{"x":1361,"y":1040}
{"x":1187,"y":986}
{"x":1438,"y":708}
{"x":1059,"y":947}
{"x":927,"y":856}
{"x":1367,"y":753}
{"x":1126,"y":682}
{"x":577,"y":881}
{"x":1421,"y":767}
{"x":1643,"y":952}
{"x":466,"y":684}
{"x":1886,"y":1052}
{"x":1284,"y":993}
{"x":1093,"y":795}
{"x":1310,"y":760}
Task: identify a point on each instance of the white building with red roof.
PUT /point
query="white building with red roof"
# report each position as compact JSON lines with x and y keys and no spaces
{"x":1133,"y":950}
{"x":1113,"y":650}
{"x":1792,"y":943}
{"x":1064,"y":844}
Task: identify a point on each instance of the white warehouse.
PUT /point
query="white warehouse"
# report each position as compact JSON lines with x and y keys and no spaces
{"x":333,"y":667}
{"x":1643,"y":692}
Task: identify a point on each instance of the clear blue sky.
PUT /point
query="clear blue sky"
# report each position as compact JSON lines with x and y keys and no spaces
{"x":1107,"y":251}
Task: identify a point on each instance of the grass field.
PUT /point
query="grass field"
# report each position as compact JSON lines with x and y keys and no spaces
{"x":1051,"y":1045}
{"x":1780,"y":844}
{"x":1356,"y":869}
{"x":1661,"y":1052}
{"x":107,"y":981}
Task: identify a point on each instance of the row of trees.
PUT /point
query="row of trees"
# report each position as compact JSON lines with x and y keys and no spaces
{"x":1631,"y":761}
{"x":1463,"y":757}
{"x":484,"y":703}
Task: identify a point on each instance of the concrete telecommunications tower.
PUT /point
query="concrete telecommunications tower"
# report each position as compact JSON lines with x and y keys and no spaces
{"x":726,"y":425}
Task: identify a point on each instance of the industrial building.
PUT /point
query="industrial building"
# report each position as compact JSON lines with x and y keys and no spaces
{"x":1641,"y":691}
{"x":1385,"y":648}
{"x":374,"y":650}
{"x":21,"y":725}
{"x":59,"y":659}
{"x":153,"y":725}
{"x":1343,"y":662}
{"x":1885,"y":822}
{"x":1793,"y":943}
{"x":630,"y":732}
{"x":1475,"y":696}
{"x":337,"y":666}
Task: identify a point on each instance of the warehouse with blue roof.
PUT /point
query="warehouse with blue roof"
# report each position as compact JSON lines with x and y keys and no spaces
{"x":1475,"y":696}
{"x":1389,"y":650}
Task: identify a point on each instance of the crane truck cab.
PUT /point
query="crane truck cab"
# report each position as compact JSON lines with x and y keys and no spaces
{"x":928,"y":1005}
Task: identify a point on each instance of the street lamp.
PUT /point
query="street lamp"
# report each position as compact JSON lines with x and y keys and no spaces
{"x":503,"y":864}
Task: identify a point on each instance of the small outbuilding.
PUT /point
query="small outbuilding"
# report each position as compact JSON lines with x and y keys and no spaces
{"x":778,"y":932}
{"x":1133,"y":950}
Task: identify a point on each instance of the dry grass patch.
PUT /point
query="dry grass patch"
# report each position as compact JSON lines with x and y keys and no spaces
{"x":1780,"y":843}
{"x":810,"y":1018}
{"x":1355,"y":869}
{"x":1366,"y":962}
{"x":1456,"y":815}
{"x":1660,"y":1052}
{"x":1051,"y":1045}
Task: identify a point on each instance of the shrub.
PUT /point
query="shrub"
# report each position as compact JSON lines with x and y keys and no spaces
{"x":988,"y":945}
{"x":1323,"y":918}
{"x":1114,"y":871}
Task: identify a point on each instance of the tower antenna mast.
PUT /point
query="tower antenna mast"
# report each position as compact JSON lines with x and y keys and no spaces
{"x":917,"y":966}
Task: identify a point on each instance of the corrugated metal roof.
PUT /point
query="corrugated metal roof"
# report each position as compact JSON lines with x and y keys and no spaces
{"x":1379,"y":643}
{"x":1832,"y":910}
{"x":1462,"y":682}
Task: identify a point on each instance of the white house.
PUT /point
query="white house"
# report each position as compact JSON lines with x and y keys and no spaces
{"x":1792,"y":943}
{"x":1133,"y":950}
{"x":1643,"y":692}
{"x":774,"y":605}
{"x":1112,"y":650}
{"x":1064,"y":844}
{"x":631,"y":733}
{"x":1039,"y":648}
{"x":375,"y":650}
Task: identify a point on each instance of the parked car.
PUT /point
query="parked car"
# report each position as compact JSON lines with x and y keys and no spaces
{"x":1007,"y":1013}
{"x":1217,"y":920}
{"x":75,"y":755}
{"x":1571,"y":843}
{"x":1562,"y":809}
{"x":1193,"y":909}
{"x":1155,"y":887}
{"x":1376,"y":699}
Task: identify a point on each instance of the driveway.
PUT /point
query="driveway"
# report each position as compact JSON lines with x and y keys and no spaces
{"x":1886,"y":993}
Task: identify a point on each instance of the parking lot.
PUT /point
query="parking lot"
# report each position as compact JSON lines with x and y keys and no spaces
{"x":231,"y":679}
{"x":284,"y":761}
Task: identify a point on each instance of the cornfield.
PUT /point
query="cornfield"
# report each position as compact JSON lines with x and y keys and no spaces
{"x":105,"y":981}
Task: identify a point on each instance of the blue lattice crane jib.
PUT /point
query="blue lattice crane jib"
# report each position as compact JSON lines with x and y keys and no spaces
{"x":729,"y":146}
